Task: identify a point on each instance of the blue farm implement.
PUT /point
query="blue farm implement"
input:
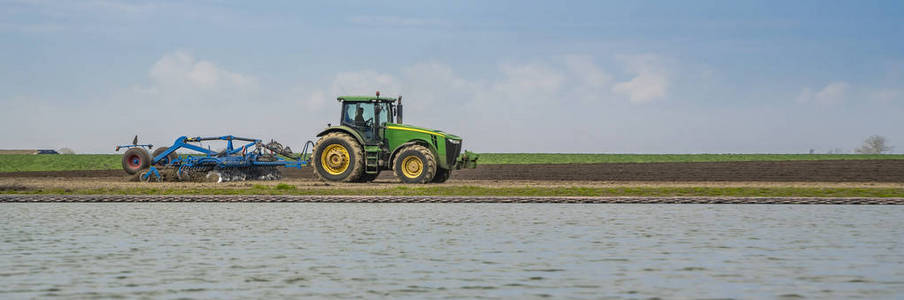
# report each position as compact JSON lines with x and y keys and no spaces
{"x":251,"y":159}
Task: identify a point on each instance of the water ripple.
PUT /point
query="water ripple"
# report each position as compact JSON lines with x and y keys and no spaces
{"x":291,"y":250}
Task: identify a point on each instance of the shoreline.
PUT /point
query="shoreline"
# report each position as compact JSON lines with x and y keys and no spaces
{"x":461,"y":188}
{"x":8,"y":198}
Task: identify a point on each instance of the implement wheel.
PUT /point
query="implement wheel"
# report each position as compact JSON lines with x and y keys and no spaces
{"x":165,"y":160}
{"x":338,"y":157}
{"x":135,"y":159}
{"x":415,"y":164}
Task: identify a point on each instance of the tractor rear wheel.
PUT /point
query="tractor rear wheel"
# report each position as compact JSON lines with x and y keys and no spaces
{"x":441,"y":175}
{"x":338,"y":157}
{"x":415,"y":164}
{"x":167,"y":159}
{"x":135,"y":159}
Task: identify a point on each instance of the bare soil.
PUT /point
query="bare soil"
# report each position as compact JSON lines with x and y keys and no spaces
{"x":889,"y":171}
{"x":768,"y":171}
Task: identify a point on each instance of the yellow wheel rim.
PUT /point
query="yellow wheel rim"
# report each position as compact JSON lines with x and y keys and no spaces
{"x":335,"y":159}
{"x":412,"y":167}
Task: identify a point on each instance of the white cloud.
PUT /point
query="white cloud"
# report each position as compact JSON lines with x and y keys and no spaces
{"x":520,"y":81}
{"x":435,"y":73}
{"x":437,"y":84}
{"x":586,"y":71}
{"x":832,"y":93}
{"x":181,"y":70}
{"x":651,"y":80}
{"x":318,"y":101}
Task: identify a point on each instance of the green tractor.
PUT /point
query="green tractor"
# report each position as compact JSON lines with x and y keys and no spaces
{"x":367,"y":141}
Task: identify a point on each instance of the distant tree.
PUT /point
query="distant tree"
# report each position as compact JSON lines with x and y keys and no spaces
{"x":65,"y":151}
{"x":874,"y":145}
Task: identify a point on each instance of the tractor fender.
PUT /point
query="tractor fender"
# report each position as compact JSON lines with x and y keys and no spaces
{"x":343,"y":129}
{"x":413,"y":142}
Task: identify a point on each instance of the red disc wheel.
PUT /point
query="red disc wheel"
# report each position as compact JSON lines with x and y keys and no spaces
{"x":135,"y":159}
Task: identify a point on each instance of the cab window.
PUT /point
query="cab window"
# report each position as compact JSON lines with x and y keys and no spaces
{"x":384,"y":114}
{"x":358,"y":114}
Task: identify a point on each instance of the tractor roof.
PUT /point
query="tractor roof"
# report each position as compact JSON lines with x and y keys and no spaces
{"x":365,"y":99}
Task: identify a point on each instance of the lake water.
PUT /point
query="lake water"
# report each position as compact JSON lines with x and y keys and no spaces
{"x":263,"y":250}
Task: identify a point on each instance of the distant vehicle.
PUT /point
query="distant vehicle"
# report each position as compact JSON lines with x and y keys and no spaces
{"x":28,"y":151}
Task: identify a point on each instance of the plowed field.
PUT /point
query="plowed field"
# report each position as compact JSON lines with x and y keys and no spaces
{"x":763,"y":171}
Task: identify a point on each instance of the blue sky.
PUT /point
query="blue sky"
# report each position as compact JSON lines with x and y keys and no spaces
{"x":508,"y":76}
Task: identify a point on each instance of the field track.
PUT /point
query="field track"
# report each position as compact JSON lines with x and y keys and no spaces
{"x":448,"y":199}
{"x":762,"y":171}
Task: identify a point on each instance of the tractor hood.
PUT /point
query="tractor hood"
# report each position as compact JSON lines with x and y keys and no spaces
{"x":439,"y":133}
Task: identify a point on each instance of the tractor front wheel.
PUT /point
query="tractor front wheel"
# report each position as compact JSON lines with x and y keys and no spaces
{"x":415,"y":164}
{"x":135,"y":159}
{"x":338,"y":157}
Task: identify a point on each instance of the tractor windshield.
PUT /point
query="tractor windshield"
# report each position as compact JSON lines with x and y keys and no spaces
{"x":358,"y":114}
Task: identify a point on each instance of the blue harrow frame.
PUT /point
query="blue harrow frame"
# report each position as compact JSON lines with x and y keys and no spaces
{"x":250,"y":154}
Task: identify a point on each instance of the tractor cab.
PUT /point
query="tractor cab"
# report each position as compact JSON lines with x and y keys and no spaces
{"x":368,"y":115}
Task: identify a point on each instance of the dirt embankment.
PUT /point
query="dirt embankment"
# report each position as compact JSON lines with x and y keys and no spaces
{"x":771,"y":171}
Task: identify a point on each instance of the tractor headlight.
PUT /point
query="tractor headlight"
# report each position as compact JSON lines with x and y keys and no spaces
{"x":454,"y":141}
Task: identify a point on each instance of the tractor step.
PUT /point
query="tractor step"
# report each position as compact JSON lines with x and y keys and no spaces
{"x":372,"y":162}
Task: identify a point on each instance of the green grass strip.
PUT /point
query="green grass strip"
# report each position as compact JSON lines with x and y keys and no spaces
{"x":286,"y":189}
{"x":29,"y":162}
{"x":26,"y":162}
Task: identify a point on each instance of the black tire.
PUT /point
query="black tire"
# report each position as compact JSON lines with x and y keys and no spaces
{"x":368,"y":177}
{"x":441,"y":175}
{"x":135,"y":159}
{"x":427,"y":164}
{"x":355,"y":168}
{"x":167,"y":159}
